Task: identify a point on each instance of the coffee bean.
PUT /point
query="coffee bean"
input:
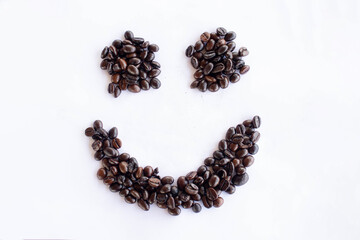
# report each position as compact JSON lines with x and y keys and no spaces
{"x":110,"y":152}
{"x":97,"y":125}
{"x":129,"y":35}
{"x":189,"y":51}
{"x":175,"y":211}
{"x":108,"y":180}
{"x":155,"y":83}
{"x":99,"y":155}
{"x":89,"y":132}
{"x":115,"y":187}
{"x":256,"y":122}
{"x":224,"y":184}
{"x":244,"y":69}
{"x":124,"y":192}
{"x":184,"y":197}
{"x":170,"y":203}
{"x":134,"y":88}
{"x":241,"y":153}
{"x":205,"y":37}
{"x":214,"y":181}
{"x":144,"y":85}
{"x":191,"y":189}
{"x":116,"y":142}
{"x":230,"y":36}
{"x":154,"y":182}
{"x":248,"y":161}
{"x":214,"y":87}
{"x":182,"y":182}
{"x":165,"y":189}
{"x":101,"y":173}
{"x":191,"y":175}
{"x":167,"y":180}
{"x":239,"y":180}
{"x":148,"y":171}
{"x":187,"y":204}
{"x":123,"y":166}
{"x":209,"y":161}
{"x":218,"y":202}
{"x":153,"y":48}
{"x":207,"y":203}
{"x":221,"y":31}
{"x":211,"y":194}
{"x":235,"y":78}
{"x":254,"y":149}
{"x":196,"y":208}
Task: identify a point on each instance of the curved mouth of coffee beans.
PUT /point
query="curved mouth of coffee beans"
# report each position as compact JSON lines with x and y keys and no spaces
{"x":130,"y":63}
{"x":220,"y":173}
{"x":216,"y":62}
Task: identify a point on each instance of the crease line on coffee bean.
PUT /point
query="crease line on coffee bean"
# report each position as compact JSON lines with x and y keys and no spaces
{"x":220,"y":173}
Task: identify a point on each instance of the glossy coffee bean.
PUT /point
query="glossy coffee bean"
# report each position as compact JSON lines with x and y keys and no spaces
{"x":218,"y":202}
{"x":196,"y":208}
{"x":248,"y":161}
{"x":101,"y":173}
{"x":239,"y":180}
{"x":154,"y":182}
{"x":191,"y":189}
{"x":214,"y":181}
{"x":175,"y":211}
{"x":182,"y":182}
{"x":116,"y":142}
{"x":89,"y":132}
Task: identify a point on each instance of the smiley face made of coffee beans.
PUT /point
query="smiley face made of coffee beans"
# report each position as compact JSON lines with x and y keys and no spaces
{"x":135,"y":70}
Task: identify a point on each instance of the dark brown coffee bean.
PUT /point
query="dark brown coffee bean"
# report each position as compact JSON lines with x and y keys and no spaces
{"x":194,"y":62}
{"x":161,"y":198}
{"x":224,"y":184}
{"x":230,"y":36}
{"x":254,"y":149}
{"x":116,"y":142}
{"x":219,"y":67}
{"x":218,"y":202}
{"x":154,"y":73}
{"x":191,"y":175}
{"x":201,"y":170}
{"x":196,"y":208}
{"x":124,"y":192}
{"x":182,"y":182}
{"x":214,"y":181}
{"x":210,"y":45}
{"x":97,"y":125}
{"x":104,"y":64}
{"x":214,"y":87}
{"x":144,"y":85}
{"x":134,"y":88}
{"x":209,"y":55}
{"x":199,"y":46}
{"x":153,"y":48}
{"x":202,"y":86}
{"x":187,"y":204}
{"x":189,"y":51}
{"x":221,"y":31}
{"x":256,"y":122}
{"x":123,"y":166}
{"x":148,"y":171}
{"x":210,"y":79}
{"x":89,"y":132}
{"x":152,"y":197}
{"x":167,"y":180}
{"x":155,"y":83}
{"x":209,"y":161}
{"x":211,"y":194}
{"x":101,"y":173}
{"x":191,"y":189}
{"x":195,"y":84}
{"x":108,"y":180}
{"x":130,"y":199}
{"x":154,"y":182}
{"x":205,"y":37}
{"x":170,"y":203}
{"x":165,"y":189}
{"x":239,"y":180}
{"x":248,"y":161}
{"x":104,"y":52}
{"x":133,"y":70}
{"x":184,"y":197}
{"x":235,"y":78}
{"x":241,"y":153}
{"x":221,"y":50}
{"x":243,"y":52}
{"x":255,"y":136}
{"x":96,"y":145}
{"x":129,"y":35}
{"x":115,"y":187}
{"x":207,"y":203}
{"x":110,"y":152}
{"x":114,"y":170}
{"x":231,"y":189}
{"x":244,"y":69}
{"x":198,"y":74}
{"x":175,"y":211}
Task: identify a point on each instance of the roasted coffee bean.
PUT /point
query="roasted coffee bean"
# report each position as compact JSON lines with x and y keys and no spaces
{"x":130,"y":199}
{"x":201,"y":170}
{"x":110,"y":152}
{"x":114,"y":170}
{"x":205,"y":37}
{"x":241,"y":153}
{"x":189,"y":51}
{"x":101,"y":173}
{"x":214,"y":181}
{"x":211,"y":194}
{"x":123,"y":166}
{"x":218,"y":155}
{"x":155,"y":83}
{"x":167,"y":180}
{"x":99,"y":155}
{"x":89,"y":132}
{"x":235,"y":78}
{"x":153,"y":48}
{"x":191,"y":175}
{"x":194,"y":62}
{"x":165,"y":189}
{"x":221,"y":173}
{"x":109,"y":180}
{"x":148,"y":171}
{"x":210,"y":45}
{"x":134,"y":88}
{"x":254,"y":149}
{"x":175,"y":211}
{"x":248,"y":161}
{"x":170,"y":203}
{"x":187,"y":204}
{"x":154,"y":182}
{"x":196,"y":208}
{"x":124,"y":192}
{"x":202,"y":86}
{"x":218,"y":202}
{"x":98,"y":125}
{"x":115,"y":187}
{"x":244,"y":69}
{"x":116,"y":142}
{"x":230,"y":36}
{"x":256,"y":121}
{"x":207,"y":203}
{"x":182,"y":182}
{"x":144,"y":85}
{"x":152,"y":198}
{"x":239,"y":180}
{"x":206,"y":175}
{"x":144,"y":205}
{"x":221,"y":31}
{"x":184,"y":197}
{"x":198,"y":181}
{"x":161,"y":198}
{"x":214,"y":87}
{"x":96,"y":145}
{"x":224,"y":184}
{"x":209,"y":161}
{"x":191,"y":189}
{"x":196,"y":197}
{"x":135,"y":194}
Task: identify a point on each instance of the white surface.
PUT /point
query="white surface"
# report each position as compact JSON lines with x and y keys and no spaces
{"x":303,"y":82}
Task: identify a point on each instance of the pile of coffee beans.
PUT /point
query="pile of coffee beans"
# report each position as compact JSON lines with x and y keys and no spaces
{"x":131,"y":64}
{"x":215,"y":60}
{"x":143,"y":185}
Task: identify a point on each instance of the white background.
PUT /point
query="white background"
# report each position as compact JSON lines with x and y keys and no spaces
{"x":303,"y":82}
